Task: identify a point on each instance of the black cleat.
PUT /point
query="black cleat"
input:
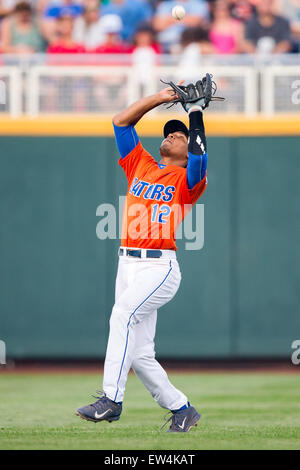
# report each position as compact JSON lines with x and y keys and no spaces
{"x":184,"y":420}
{"x":103,"y":409}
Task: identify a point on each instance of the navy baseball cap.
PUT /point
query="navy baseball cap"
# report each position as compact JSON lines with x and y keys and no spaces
{"x":175,"y":126}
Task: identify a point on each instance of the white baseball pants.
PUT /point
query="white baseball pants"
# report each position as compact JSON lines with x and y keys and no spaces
{"x":142,"y":286}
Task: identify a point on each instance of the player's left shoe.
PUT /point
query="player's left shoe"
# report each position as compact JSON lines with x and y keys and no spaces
{"x":183,"y":420}
{"x":103,"y":409}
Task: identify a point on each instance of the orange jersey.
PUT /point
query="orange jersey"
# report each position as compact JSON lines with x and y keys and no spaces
{"x":157,"y":200}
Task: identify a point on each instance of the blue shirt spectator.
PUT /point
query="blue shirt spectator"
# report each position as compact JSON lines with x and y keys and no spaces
{"x":131,"y":12}
{"x":68,"y":8}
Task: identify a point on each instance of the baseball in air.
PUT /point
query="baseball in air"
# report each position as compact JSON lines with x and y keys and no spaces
{"x":178,"y":12}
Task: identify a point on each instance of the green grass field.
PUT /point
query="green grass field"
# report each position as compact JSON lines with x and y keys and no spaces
{"x":239,"y":411}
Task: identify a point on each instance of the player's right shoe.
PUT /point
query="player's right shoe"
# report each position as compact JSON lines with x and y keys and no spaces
{"x":103,"y":409}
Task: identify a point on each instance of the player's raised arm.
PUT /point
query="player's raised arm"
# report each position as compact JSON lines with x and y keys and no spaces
{"x":131,"y":115}
{"x":194,"y":98}
{"x":124,"y":122}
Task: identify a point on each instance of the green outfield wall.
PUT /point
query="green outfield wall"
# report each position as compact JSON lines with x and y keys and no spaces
{"x":240,"y":294}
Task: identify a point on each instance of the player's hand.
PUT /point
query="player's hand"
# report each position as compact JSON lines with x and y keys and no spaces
{"x":167,"y":94}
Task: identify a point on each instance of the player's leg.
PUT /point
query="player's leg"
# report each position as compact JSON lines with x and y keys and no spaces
{"x":153,"y":284}
{"x":123,"y":277}
{"x":104,"y":408}
{"x":150,"y":372}
{"x":184,"y":415}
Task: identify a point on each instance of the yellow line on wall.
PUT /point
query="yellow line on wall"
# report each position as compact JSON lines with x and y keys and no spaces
{"x":101,"y":125}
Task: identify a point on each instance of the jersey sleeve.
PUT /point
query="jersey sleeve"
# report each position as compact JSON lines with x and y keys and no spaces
{"x":137,"y":160}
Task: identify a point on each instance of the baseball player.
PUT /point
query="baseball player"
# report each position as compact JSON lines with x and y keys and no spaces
{"x":148,"y":272}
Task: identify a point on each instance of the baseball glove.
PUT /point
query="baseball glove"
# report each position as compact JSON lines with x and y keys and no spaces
{"x":201,"y":93}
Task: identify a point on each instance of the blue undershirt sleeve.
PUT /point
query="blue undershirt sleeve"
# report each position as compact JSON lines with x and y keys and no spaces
{"x":126,"y":139}
{"x":196,"y":168}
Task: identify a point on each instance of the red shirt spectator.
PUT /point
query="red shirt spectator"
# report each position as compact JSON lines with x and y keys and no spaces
{"x":65,"y":43}
{"x":111,"y":48}
{"x":71,"y":48}
{"x":145,"y":38}
{"x":112,"y":27}
{"x":59,"y":48}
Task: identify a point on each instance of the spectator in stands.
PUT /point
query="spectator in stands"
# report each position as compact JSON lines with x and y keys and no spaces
{"x":65,"y":44}
{"x":132,"y":14}
{"x":145,"y":38}
{"x":7,"y":6}
{"x":195,"y":39}
{"x":113,"y":44}
{"x":291,"y":9}
{"x":20,"y":32}
{"x":145,"y":55}
{"x":266,"y":32}
{"x":241,"y":9}
{"x":226,"y":33}
{"x":88,"y":28}
{"x":195,"y":43}
{"x":169,"y":29}
{"x":56,"y":9}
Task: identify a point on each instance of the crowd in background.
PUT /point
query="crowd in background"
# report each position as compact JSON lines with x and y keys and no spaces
{"x":147,"y":28}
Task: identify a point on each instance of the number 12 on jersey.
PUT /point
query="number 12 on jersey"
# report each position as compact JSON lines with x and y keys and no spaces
{"x":159,"y":214}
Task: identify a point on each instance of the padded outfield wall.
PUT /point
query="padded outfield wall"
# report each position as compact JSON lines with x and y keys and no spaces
{"x":239,"y":295}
